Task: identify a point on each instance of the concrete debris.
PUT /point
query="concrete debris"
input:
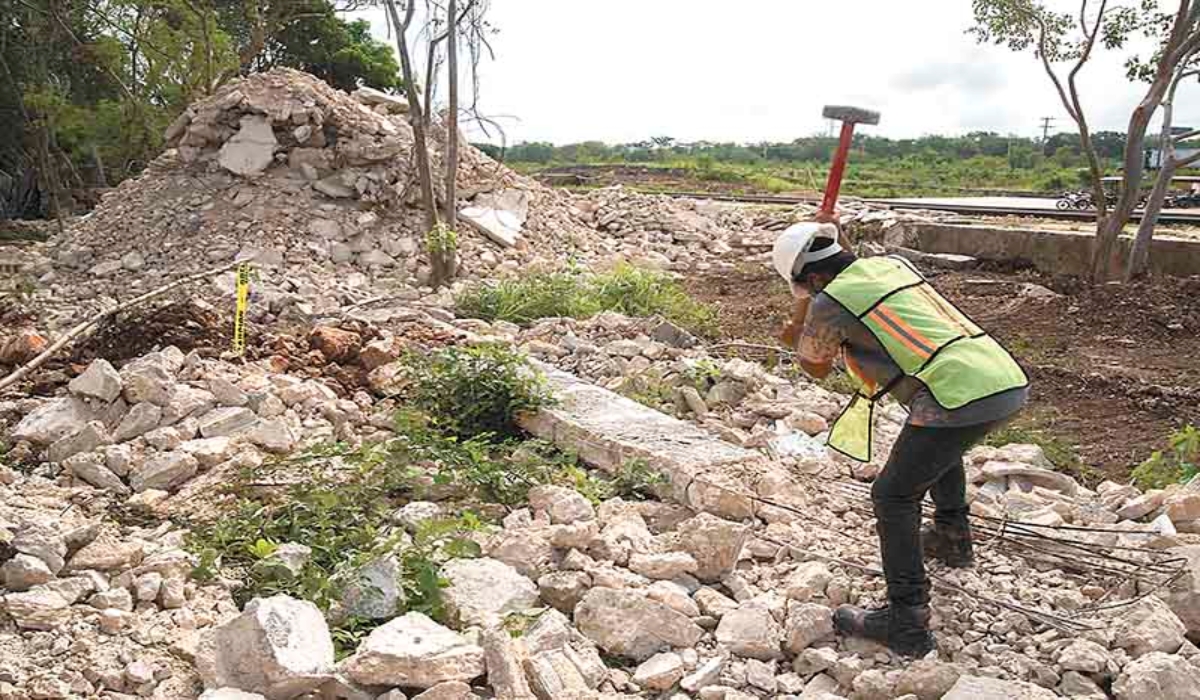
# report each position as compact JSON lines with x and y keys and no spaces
{"x":414,"y":651}
{"x":279,"y":647}
{"x":719,"y":586}
{"x":628,"y":623}
{"x":483,"y":591}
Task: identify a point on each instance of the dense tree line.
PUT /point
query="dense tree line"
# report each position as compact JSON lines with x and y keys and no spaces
{"x":1020,"y":152}
{"x":87,"y":86}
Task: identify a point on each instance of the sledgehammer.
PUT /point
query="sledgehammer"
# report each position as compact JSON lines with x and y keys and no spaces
{"x":849,"y":116}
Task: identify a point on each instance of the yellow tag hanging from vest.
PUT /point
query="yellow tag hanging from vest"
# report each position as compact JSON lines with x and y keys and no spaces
{"x":239,"y":314}
{"x":852,"y":432}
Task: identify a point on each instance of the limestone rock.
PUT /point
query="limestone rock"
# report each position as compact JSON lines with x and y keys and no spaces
{"x":1159,"y":676}
{"x":92,"y":436}
{"x":714,"y":543}
{"x":229,"y":694}
{"x":704,"y":675}
{"x":415,"y":651}
{"x":209,"y":452}
{"x":628,"y":623}
{"x":1085,"y":656}
{"x":23,"y":572}
{"x":504,"y":669}
{"x":751,"y":630}
{"x":291,"y":556}
{"x":482,"y":591}
{"x":99,"y":381}
{"x":39,"y":608}
{"x":279,"y":647}
{"x":1184,"y":593}
{"x":564,"y":505}
{"x":714,"y":603}
{"x":449,"y":690}
{"x":225,"y":421}
{"x":1149,"y":626}
{"x":164,"y":471}
{"x":44,"y":543}
{"x":107,"y":554}
{"x":141,"y":419}
{"x":273,"y":435}
{"x":148,"y":379}
{"x":662,"y":566}
{"x":412,"y":515}
{"x":564,"y":589}
{"x":251,"y":149}
{"x":807,"y":623}
{"x":807,"y":580}
{"x":659,"y":672}
{"x":375,"y":590}
{"x":52,"y":421}
{"x":91,"y":468}
{"x":983,"y":688}
{"x":928,"y":680}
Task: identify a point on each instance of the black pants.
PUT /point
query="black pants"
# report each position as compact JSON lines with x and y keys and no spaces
{"x":922,"y":460}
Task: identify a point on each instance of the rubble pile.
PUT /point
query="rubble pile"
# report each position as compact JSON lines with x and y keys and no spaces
{"x":92,"y":608}
{"x":721,"y":590}
{"x":619,"y":599}
{"x":318,"y":188}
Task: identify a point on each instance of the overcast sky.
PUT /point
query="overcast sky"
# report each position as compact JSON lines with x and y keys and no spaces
{"x":753,"y":70}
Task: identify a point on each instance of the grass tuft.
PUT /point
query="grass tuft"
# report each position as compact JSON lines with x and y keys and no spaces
{"x":627,"y":289}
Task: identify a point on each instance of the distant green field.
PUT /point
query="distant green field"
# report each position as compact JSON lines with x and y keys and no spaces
{"x":876,"y":177}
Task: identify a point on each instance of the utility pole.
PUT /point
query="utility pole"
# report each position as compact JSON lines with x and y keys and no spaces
{"x":1046,"y":121}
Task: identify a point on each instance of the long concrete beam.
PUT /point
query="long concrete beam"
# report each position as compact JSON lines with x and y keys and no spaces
{"x":607,"y":430}
{"x":1054,"y":252}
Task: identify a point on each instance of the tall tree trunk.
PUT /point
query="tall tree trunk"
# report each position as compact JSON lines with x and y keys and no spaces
{"x":450,"y":261}
{"x":415,"y":113}
{"x":1139,"y":254}
{"x":1134,"y":166}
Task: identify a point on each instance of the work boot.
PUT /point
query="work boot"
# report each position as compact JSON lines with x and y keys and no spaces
{"x":950,"y":545}
{"x":903,"y":629}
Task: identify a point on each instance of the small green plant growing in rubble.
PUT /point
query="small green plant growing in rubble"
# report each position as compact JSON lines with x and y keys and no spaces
{"x":441,"y":239}
{"x":476,"y":390}
{"x":575,"y":293}
{"x":702,"y":374}
{"x":1179,"y":463}
{"x":649,"y":389}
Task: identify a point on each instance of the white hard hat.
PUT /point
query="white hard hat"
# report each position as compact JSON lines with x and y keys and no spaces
{"x":791,"y":252}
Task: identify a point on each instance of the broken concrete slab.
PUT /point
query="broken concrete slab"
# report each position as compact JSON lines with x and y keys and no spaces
{"x":251,"y":149}
{"x":499,"y":215}
{"x":607,"y":430}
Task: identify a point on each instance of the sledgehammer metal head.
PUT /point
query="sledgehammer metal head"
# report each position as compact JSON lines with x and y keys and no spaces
{"x":849,"y":116}
{"x":856,"y":115}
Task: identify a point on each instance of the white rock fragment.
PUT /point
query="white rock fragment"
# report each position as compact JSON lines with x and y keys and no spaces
{"x":482,"y":591}
{"x":279,"y":647}
{"x":99,"y":381}
{"x":413,"y":650}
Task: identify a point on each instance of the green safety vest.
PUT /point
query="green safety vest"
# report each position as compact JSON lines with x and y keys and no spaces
{"x":931,"y":341}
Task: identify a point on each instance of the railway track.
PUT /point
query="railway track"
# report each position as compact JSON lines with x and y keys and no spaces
{"x":1068,"y":215}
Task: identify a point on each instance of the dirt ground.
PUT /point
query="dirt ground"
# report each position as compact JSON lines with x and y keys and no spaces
{"x":1114,"y":369}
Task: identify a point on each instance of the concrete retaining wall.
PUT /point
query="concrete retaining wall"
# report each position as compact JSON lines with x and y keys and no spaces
{"x":1055,"y":252}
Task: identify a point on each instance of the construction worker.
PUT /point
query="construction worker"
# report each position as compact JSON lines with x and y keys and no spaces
{"x":896,"y":335}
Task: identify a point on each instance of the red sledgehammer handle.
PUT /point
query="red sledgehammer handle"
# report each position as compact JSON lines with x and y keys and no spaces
{"x":834,"y":185}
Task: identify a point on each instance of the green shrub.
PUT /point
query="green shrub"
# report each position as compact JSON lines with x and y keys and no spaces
{"x":1179,"y":463}
{"x":473,"y":391}
{"x":576,"y":294}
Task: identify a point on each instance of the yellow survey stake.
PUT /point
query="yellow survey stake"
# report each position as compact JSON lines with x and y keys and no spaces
{"x":239,"y":314}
